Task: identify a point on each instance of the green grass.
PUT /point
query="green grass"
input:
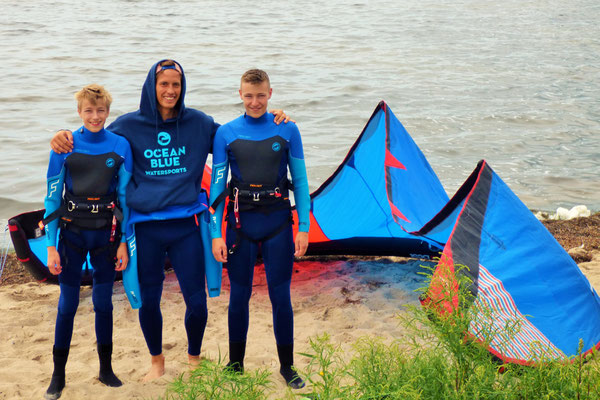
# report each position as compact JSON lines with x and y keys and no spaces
{"x":212,"y":381}
{"x":435,"y":360}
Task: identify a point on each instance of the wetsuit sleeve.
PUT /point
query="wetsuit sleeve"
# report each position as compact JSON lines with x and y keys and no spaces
{"x":213,"y":134}
{"x":299,"y":180}
{"x":218,"y":183}
{"x":123,"y":177}
{"x":55,"y":179}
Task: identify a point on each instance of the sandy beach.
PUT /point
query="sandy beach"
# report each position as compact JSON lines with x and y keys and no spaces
{"x":347,"y":298}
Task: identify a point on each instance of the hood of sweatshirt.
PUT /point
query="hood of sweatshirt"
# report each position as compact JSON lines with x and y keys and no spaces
{"x":148,"y":104}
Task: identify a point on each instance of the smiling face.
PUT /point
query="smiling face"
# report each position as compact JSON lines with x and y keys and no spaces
{"x":93,"y":114}
{"x":255,"y":97}
{"x":168,"y":90}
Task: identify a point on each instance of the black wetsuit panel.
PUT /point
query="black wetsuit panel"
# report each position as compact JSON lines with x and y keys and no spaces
{"x":257,"y":160}
{"x":93,"y":175}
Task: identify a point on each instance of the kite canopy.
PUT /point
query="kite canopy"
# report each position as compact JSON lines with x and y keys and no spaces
{"x":384,"y":188}
{"x":521,"y":275}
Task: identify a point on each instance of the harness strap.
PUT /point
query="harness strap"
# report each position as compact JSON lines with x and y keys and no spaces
{"x":218,"y":201}
{"x":239,"y":233}
{"x":81,"y":208}
{"x":254,"y":197}
{"x":111,"y":247}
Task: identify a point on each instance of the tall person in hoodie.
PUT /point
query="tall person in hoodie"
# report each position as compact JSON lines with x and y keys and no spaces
{"x":170,"y":144}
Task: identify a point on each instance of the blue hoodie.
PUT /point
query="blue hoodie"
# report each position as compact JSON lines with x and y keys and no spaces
{"x":168,"y":156}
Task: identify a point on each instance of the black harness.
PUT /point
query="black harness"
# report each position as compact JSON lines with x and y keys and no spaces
{"x":255,"y":197}
{"x":86,"y":212}
{"x":93,"y":213}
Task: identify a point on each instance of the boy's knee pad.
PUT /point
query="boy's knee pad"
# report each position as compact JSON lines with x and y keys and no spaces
{"x":151,"y":295}
{"x":68,"y":300}
{"x":281,"y":292}
{"x":102,"y":297}
{"x":241,"y":292}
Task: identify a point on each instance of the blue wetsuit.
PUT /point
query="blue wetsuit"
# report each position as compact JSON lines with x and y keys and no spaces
{"x":259,"y":153}
{"x":165,"y":195}
{"x":99,"y":165}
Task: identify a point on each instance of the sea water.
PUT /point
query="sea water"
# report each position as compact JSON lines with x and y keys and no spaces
{"x":516,"y":83}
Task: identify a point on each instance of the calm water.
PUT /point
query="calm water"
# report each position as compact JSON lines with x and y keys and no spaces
{"x":514,"y":82}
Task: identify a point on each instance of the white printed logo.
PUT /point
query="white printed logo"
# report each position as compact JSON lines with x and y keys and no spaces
{"x":132,"y":248}
{"x":219,"y":175}
{"x":53,"y":187}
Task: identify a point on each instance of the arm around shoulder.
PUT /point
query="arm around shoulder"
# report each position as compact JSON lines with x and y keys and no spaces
{"x":62,"y":141}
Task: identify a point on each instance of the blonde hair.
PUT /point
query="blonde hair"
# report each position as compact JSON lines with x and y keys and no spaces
{"x":255,"y":77}
{"x":93,"y":93}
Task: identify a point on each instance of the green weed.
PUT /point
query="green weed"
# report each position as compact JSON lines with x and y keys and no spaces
{"x":212,"y":381}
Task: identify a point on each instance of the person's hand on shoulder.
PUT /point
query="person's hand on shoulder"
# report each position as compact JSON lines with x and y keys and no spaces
{"x":62,"y":141}
{"x":122,"y":257}
{"x":280,"y":116}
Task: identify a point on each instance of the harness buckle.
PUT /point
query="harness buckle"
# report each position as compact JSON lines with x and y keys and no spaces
{"x":236,"y":208}
{"x":256,"y":196}
{"x":277,"y":192}
{"x":70,"y":206}
{"x":95,"y":208}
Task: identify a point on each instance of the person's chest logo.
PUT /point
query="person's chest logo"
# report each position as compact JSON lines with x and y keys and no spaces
{"x":164,"y":138}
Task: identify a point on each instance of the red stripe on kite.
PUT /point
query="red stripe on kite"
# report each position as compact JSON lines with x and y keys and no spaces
{"x":391,"y":161}
{"x":397,"y":213}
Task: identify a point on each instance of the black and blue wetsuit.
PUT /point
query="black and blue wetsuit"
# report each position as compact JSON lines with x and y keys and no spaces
{"x":99,"y":166}
{"x":259,"y":153}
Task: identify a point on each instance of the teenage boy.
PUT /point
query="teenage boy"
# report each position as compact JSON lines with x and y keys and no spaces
{"x":170,"y":144}
{"x":259,"y":215}
{"x":86,"y":198}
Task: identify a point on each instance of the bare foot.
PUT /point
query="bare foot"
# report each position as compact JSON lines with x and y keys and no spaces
{"x":193,"y":361}
{"x":157,"y":368}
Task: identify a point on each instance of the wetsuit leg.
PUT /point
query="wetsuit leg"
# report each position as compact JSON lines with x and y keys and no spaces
{"x":70,"y":282}
{"x":103,"y":278}
{"x":278,"y":256}
{"x":151,"y":265}
{"x":240,"y":269}
{"x":187,"y":258}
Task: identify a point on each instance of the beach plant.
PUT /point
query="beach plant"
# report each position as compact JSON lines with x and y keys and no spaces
{"x":326,"y":372}
{"x":212,"y":381}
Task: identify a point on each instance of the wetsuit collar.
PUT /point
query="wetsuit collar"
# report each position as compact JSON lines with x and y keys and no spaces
{"x":91,"y":137}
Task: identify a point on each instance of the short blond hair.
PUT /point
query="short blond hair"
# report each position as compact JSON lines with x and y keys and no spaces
{"x":93,"y":93}
{"x":255,"y":77}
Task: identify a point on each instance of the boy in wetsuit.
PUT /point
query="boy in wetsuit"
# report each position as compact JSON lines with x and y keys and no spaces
{"x":259,"y":215}
{"x":86,"y":198}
